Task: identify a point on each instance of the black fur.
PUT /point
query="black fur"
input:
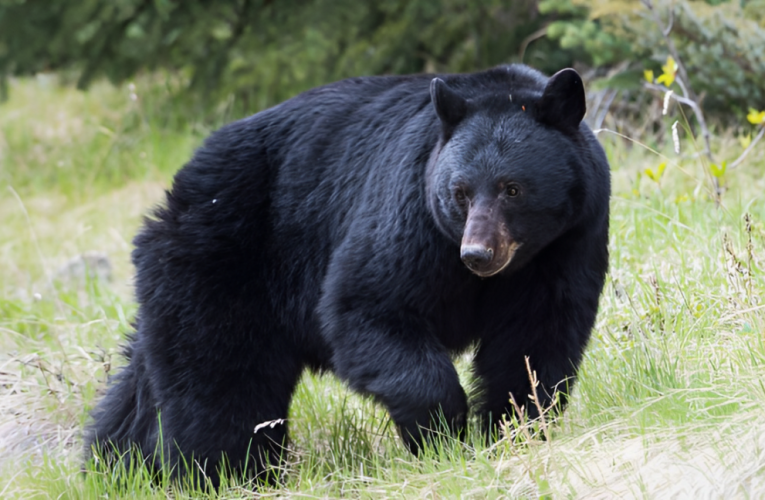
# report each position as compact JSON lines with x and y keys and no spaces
{"x":325,"y":233}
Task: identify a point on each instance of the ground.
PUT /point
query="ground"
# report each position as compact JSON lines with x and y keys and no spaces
{"x":669,"y":400}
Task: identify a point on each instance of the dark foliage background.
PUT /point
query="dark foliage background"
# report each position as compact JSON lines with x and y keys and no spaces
{"x":267,"y":51}
{"x":264,"y":51}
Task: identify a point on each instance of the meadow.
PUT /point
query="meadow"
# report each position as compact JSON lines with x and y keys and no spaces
{"x":670,"y":399}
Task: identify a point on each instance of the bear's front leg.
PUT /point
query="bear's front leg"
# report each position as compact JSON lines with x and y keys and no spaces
{"x":551,"y":328}
{"x":399,"y":363}
{"x":503,"y":375}
{"x":383,"y":348}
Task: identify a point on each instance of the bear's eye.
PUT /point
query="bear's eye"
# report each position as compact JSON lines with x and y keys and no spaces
{"x":459,"y":195}
{"x":512,"y":190}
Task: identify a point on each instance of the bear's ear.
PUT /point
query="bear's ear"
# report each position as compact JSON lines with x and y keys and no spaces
{"x":563,"y":104}
{"x":450,"y":106}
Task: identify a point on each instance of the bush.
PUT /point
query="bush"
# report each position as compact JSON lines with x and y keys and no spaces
{"x":266,"y":51}
{"x":720,"y":43}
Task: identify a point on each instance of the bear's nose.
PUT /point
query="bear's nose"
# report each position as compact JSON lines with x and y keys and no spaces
{"x":476,"y":256}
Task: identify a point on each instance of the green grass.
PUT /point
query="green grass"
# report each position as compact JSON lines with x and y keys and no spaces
{"x":670,"y":398}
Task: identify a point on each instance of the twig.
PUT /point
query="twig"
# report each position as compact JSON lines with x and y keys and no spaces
{"x":748,"y":149}
{"x":534,"y":384}
{"x":634,"y":141}
{"x":520,"y":412}
{"x":693,"y":105}
{"x":527,"y":41}
{"x":665,"y":31}
{"x":691,"y":99}
{"x":601,"y":116}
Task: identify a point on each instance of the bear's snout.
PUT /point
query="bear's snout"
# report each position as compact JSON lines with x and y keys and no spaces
{"x":487,"y":246}
{"x":476,"y":257}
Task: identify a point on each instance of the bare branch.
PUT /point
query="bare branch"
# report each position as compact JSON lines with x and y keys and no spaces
{"x":685,"y":83}
{"x":600,"y":117}
{"x":696,"y":111}
{"x":688,"y":91}
{"x":526,"y":41}
{"x":749,"y":148}
{"x":535,"y":396}
{"x":671,"y":23}
{"x":673,"y":96}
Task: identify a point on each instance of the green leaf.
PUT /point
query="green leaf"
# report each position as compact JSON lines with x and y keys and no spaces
{"x":718,"y":171}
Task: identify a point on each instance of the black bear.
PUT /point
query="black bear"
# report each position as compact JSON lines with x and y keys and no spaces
{"x":373,"y":227}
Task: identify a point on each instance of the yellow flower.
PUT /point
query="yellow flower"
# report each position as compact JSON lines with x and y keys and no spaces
{"x":648,"y":75}
{"x":656,"y":175}
{"x":756,"y":117}
{"x":745,"y":140}
{"x":669,"y":72}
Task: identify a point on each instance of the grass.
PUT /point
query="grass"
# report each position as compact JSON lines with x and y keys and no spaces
{"x":670,"y":398}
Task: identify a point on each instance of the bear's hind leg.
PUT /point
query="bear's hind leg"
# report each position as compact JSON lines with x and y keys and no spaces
{"x":230,"y":422}
{"x":123,"y":431}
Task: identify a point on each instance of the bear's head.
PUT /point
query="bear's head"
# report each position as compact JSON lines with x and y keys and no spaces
{"x":506,"y":178}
